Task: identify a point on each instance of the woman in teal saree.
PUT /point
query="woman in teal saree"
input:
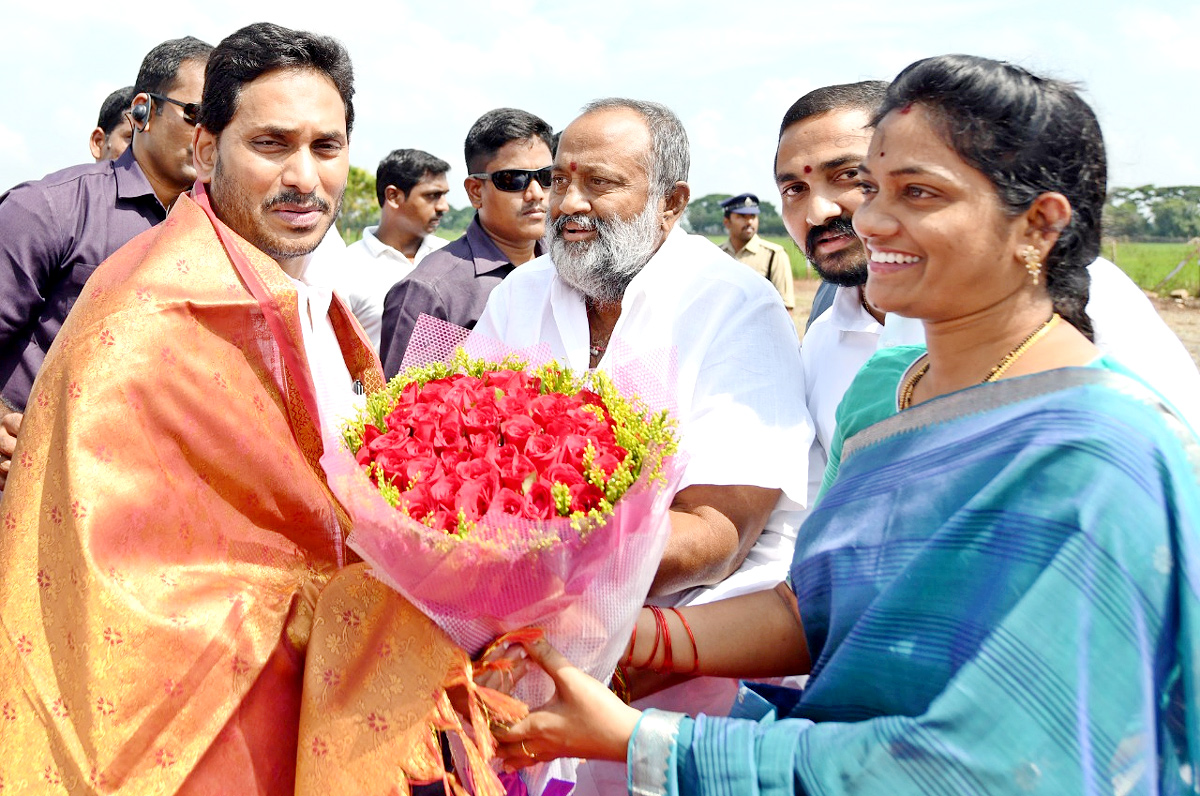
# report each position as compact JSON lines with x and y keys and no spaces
{"x":998,"y":593}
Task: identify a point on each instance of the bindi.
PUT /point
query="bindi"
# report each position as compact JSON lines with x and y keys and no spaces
{"x":573,"y":166}
{"x":808,"y":169}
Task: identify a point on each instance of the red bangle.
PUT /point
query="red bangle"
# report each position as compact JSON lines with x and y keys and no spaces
{"x":633,"y":639}
{"x":654,"y":649}
{"x":660,"y":621}
{"x":692,"y":638}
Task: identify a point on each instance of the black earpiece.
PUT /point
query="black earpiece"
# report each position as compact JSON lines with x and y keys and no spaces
{"x":140,"y":113}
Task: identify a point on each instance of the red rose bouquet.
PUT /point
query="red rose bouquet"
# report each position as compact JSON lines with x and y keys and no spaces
{"x":500,"y":495}
{"x":450,"y":445}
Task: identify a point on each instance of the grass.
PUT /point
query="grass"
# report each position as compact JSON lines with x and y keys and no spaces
{"x":1149,"y":263}
{"x":1146,"y":263}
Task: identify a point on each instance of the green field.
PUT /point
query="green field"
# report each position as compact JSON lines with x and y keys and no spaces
{"x":1146,"y":263}
{"x":1149,"y":263}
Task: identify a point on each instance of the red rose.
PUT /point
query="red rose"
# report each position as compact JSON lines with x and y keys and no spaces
{"x":562,"y":426}
{"x":449,"y":434}
{"x":514,"y":405}
{"x":509,"y":502}
{"x":483,"y":445}
{"x":545,"y":408}
{"x":422,"y":469}
{"x":381,"y":442}
{"x":416,"y":501}
{"x":370,"y":433}
{"x":539,"y":503}
{"x":415,"y":448}
{"x":585,"y":497}
{"x":607,"y":463}
{"x":515,"y":468}
{"x":451,"y":459}
{"x":484,"y":416}
{"x":475,"y":497}
{"x":394,"y":464}
{"x":424,"y":421}
{"x":517,"y":431}
{"x":572,"y":448}
{"x":563,"y":473}
{"x":510,"y":381}
{"x":475,"y":469}
{"x":434,"y":392}
{"x":443,"y":491}
{"x":542,"y":450}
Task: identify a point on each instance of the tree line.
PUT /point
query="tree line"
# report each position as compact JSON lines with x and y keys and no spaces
{"x":1153,"y":213}
{"x":1144,"y":213}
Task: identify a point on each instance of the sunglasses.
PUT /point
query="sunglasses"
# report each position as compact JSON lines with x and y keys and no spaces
{"x":190,"y":109}
{"x":516,"y":180}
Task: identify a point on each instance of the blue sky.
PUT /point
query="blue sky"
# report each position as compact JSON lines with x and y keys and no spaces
{"x":426,"y":72}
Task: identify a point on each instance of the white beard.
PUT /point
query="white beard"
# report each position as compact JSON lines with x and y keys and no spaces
{"x":601,"y":268}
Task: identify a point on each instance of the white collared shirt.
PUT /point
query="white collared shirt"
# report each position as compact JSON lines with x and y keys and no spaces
{"x":337,"y":400}
{"x":739,"y":384}
{"x":366,"y":271}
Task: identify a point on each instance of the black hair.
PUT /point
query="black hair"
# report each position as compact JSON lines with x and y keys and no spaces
{"x":160,"y":67}
{"x":1029,"y":136}
{"x":865,"y":96}
{"x":404,"y":168}
{"x":112,"y":112}
{"x":496,"y":128}
{"x":262,"y":47}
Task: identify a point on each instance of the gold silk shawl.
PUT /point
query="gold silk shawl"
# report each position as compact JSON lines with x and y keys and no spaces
{"x":167,"y":531}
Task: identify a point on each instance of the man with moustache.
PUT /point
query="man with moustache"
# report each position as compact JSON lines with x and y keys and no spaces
{"x":822,"y":139}
{"x":622,"y":281}
{"x":166,"y":577}
{"x":508,"y":154}
{"x":767,"y":259}
{"x":56,"y":230}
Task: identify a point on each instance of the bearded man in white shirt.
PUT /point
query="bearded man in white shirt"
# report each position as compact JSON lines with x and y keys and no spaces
{"x":621,"y":277}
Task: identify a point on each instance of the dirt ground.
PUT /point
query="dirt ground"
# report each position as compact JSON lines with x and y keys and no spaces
{"x":1182,"y":315}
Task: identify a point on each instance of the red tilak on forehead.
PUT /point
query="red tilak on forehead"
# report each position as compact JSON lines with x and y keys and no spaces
{"x":808,"y":169}
{"x":573,"y":167}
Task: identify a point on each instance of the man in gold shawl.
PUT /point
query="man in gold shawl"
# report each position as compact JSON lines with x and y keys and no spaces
{"x":178,"y":610}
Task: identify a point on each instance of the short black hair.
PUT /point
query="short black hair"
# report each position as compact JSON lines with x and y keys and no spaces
{"x":1028,"y":135}
{"x":865,"y":96}
{"x":160,"y":67}
{"x":244,"y":56}
{"x":112,"y":112}
{"x":496,"y":128}
{"x":404,"y":168}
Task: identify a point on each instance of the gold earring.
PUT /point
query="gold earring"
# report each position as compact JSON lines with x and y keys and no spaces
{"x":1033,"y":262}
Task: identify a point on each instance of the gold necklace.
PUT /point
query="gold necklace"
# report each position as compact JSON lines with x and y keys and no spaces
{"x":995,"y":373}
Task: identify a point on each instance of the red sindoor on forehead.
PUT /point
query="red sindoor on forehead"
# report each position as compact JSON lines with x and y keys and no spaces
{"x":573,"y":166}
{"x":808,"y":169}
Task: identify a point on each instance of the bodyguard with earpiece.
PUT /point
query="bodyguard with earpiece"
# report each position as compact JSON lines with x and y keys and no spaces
{"x":55,"y":231}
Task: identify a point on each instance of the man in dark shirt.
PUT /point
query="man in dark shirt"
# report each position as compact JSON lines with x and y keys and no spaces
{"x":509,"y":154}
{"x":55,"y":231}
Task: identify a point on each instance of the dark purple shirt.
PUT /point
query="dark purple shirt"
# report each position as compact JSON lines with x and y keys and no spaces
{"x":453,"y":284}
{"x":53,"y":234}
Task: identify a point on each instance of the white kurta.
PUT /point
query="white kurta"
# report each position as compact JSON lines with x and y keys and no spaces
{"x":366,"y":271}
{"x":739,"y":393}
